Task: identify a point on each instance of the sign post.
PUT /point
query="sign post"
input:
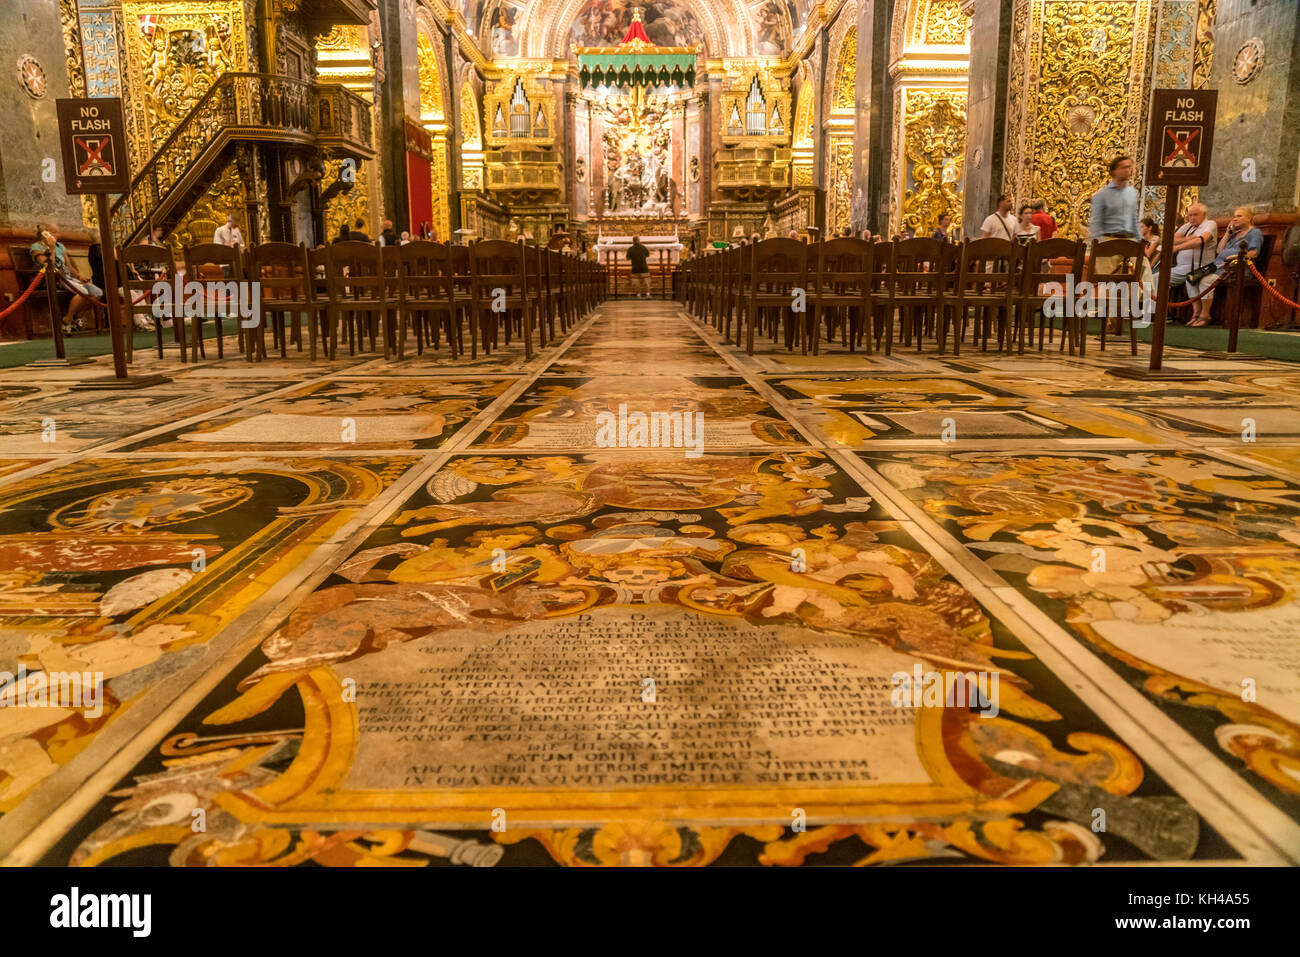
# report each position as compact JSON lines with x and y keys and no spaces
{"x":92,"y":134}
{"x":1179,"y":146}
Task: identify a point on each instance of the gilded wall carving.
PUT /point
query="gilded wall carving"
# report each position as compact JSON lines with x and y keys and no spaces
{"x":350,"y":206}
{"x":1204,"y":59}
{"x":804,"y":120}
{"x":1077,"y":99}
{"x":839,"y":187}
{"x":929,"y":61}
{"x":470,"y":130}
{"x":934,"y":144}
{"x":225,"y":195}
{"x":433,"y":112}
{"x":175,"y":52}
{"x":846,"y":71}
{"x":431,"y":104}
{"x":68,"y":21}
{"x":944,"y":23}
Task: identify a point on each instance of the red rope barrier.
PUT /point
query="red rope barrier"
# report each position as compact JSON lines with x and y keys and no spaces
{"x":26,"y":293}
{"x":1201,"y":296}
{"x":1271,"y":291}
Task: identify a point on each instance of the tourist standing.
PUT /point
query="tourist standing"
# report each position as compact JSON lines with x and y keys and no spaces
{"x":1115,"y":205}
{"x":942,"y":229}
{"x":638,"y":255}
{"x":1001,"y":223}
{"x":1026,"y":229}
{"x":228,"y":234}
{"x":1044,"y":220}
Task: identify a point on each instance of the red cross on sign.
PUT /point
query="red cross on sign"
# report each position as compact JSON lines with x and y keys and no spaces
{"x":1185,"y":152}
{"x":94,"y":155}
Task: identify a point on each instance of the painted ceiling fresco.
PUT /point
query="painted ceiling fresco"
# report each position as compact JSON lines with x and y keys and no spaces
{"x":775,"y":24}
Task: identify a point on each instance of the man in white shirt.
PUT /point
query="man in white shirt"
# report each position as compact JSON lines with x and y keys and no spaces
{"x":228,"y":233}
{"x":1195,"y":243}
{"x":1001,"y":224}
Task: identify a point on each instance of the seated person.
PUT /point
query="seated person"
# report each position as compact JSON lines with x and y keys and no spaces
{"x":84,"y":293}
{"x":1241,"y":237}
{"x":1194,"y":244}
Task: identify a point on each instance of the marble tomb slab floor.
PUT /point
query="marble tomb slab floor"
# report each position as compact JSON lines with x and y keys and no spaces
{"x":473,"y":636}
{"x":1178,"y":569}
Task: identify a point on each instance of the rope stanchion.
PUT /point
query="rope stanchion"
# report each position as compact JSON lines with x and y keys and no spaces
{"x":13,"y":306}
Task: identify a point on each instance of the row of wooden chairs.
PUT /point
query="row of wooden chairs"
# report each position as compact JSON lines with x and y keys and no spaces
{"x":921,"y":288}
{"x":370,"y":293}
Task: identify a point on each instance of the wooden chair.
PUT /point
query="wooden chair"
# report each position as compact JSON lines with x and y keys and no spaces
{"x":1042,"y":259}
{"x":843,"y":290}
{"x":1115,"y":263}
{"x":500,"y":284}
{"x":214,"y":263}
{"x":427,"y":294}
{"x":138,"y":269}
{"x":289,"y":287}
{"x":914,"y":288}
{"x":988,"y":281}
{"x":358,"y":289}
{"x":774,"y":269}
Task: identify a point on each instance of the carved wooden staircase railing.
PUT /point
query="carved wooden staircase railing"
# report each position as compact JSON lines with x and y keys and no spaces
{"x":240,"y":108}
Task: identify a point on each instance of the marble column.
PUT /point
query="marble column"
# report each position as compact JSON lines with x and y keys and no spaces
{"x":1257,"y":130}
{"x":986,"y":106}
{"x":872,"y":118}
{"x":33,"y":35}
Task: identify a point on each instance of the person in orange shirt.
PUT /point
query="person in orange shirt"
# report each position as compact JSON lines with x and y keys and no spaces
{"x":1044,"y":220}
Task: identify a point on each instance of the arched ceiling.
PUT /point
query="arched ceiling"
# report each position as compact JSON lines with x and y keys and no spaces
{"x":551,"y":28}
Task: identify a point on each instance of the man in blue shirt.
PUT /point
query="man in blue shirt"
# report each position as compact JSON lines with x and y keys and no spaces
{"x":1115,"y":205}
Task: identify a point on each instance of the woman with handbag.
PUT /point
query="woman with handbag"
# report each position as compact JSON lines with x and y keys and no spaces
{"x":1194,"y":251}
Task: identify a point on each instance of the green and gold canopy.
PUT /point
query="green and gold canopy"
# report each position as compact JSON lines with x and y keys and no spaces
{"x":636,"y":62}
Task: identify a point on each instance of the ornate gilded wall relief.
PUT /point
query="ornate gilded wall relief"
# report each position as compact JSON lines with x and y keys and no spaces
{"x":839,"y":106}
{"x":1076,"y":100}
{"x":176,"y":50}
{"x":350,"y":206}
{"x":433,"y":112}
{"x":68,"y":20}
{"x":839,"y":192}
{"x":929,"y":63}
{"x":934,"y":143}
{"x":225,"y":195}
{"x":471,"y":146}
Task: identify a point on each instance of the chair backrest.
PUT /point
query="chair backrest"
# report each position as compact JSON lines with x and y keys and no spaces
{"x":499,"y":264}
{"x":213,"y":261}
{"x":1115,"y":259}
{"x":283,"y":272}
{"x":427,"y":274}
{"x":356,"y":273}
{"x":778,"y":263}
{"x":843,"y":262}
{"x":989,"y":267}
{"x":139,"y":268}
{"x":916,"y":267}
{"x":1045,"y":259}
